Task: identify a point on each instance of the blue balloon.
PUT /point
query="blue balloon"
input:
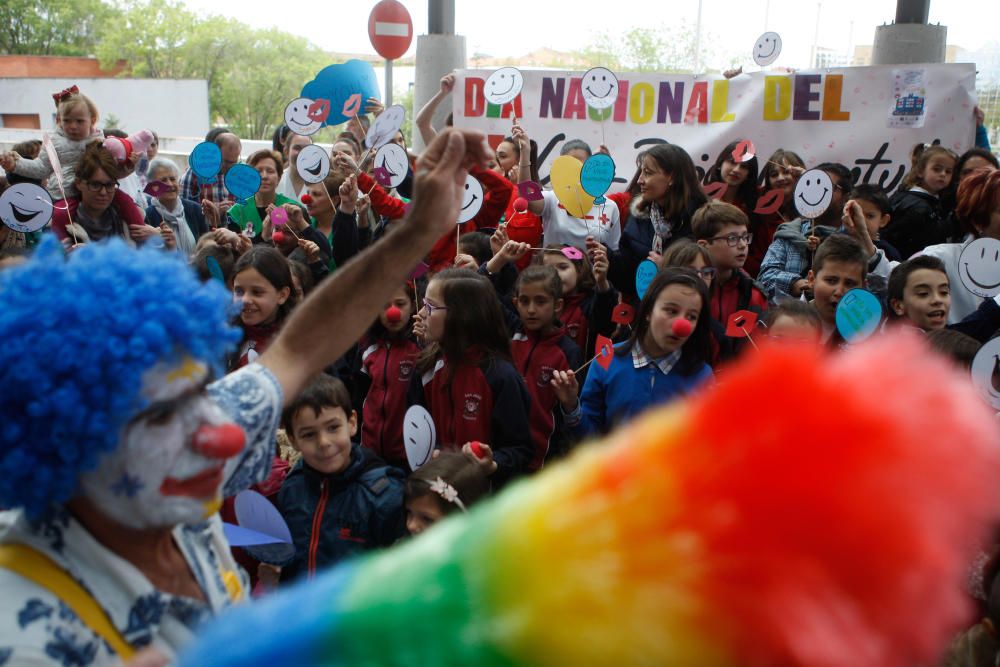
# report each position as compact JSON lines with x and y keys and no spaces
{"x":644,"y":275}
{"x":337,"y":83}
{"x":242,"y":181}
{"x":205,"y":161}
{"x":859,"y":315}
{"x":597,"y":174}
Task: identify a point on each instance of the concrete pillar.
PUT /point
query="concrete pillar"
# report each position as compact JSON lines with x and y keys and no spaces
{"x":905,"y":43}
{"x":438,"y":53}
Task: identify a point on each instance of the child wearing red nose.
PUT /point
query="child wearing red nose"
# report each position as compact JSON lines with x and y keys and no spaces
{"x":664,"y":359}
{"x":388,"y":357}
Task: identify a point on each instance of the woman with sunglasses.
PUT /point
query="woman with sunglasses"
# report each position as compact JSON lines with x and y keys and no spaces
{"x":100,"y":211}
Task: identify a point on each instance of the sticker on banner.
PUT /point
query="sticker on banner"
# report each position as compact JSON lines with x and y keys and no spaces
{"x":25,"y":207}
{"x":298,"y":119}
{"x":767,"y":48}
{"x":909,"y":99}
{"x":242,"y":181}
{"x":986,"y":372}
{"x":338,"y":84}
{"x":385,"y":127}
{"x":979,"y":267}
{"x":813,"y":194}
{"x":600,"y":88}
{"x":565,"y":178}
{"x":858,"y":316}
{"x":644,"y":276}
{"x":313,"y":164}
{"x":503,"y":85}
{"x":205,"y":161}
{"x":472,"y":199}
{"x":391,"y":165}
{"x":597,"y":174}
{"x":530,"y":190}
{"x":419,"y":436}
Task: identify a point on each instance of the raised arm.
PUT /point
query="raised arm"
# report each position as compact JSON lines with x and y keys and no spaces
{"x":339,"y":310}
{"x":426,"y":113}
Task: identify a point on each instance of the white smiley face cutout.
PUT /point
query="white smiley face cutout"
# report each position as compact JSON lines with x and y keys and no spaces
{"x":472,"y":199}
{"x":313,"y":164}
{"x":600,"y":88}
{"x":297,"y":117}
{"x":392,"y":159}
{"x":385,"y":127}
{"x":979,"y":267}
{"x":986,"y":372}
{"x":503,"y":85}
{"x":767,"y":48}
{"x":813,"y":194}
{"x":25,"y":207}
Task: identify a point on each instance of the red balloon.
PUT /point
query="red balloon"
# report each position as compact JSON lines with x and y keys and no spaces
{"x":682,"y":328}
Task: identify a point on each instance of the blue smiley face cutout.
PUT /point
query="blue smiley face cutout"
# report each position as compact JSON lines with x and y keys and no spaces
{"x":644,"y":276}
{"x":858,"y":316}
{"x":242,"y":181}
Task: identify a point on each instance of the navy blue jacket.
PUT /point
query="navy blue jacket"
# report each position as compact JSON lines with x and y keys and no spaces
{"x":332,"y":517}
{"x":192,"y":213}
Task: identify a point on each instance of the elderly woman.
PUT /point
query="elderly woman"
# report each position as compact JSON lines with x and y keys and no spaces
{"x":100,"y":211}
{"x":182,"y":216}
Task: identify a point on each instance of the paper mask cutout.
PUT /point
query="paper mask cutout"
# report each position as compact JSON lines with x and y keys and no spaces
{"x":214,"y":269}
{"x":352,"y":106}
{"x":603,"y":351}
{"x":979,"y":267}
{"x":813,"y":194}
{"x":858,"y":316}
{"x":339,"y":84}
{"x":741,"y":323}
{"x":242,"y":181}
{"x":766,"y":49}
{"x":571,"y":253}
{"x":597,"y":174}
{"x":503,"y":85}
{"x":205,"y":161}
{"x":472,"y":199}
{"x":156,"y":188}
{"x":565,"y":176}
{"x":25,"y":207}
{"x":986,"y":372}
{"x":715,"y":190}
{"x":54,"y":160}
{"x":623,"y":314}
{"x":530,"y":190}
{"x":279,"y":217}
{"x":394,"y":164}
{"x":313,"y":164}
{"x":744,"y":151}
{"x":599,"y":87}
{"x":319,"y":111}
{"x":385,"y":127}
{"x":644,"y":276}
{"x":419,"y":436}
{"x":299,"y":120}
{"x":256,"y":513}
{"x":419,"y":270}
{"x":770,"y":202}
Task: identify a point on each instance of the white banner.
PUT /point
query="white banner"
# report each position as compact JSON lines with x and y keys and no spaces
{"x":853,"y":115}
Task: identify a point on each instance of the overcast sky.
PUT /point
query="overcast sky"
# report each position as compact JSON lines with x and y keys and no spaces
{"x":516,"y":27}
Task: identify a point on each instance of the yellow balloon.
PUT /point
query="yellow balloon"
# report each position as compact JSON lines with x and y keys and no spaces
{"x":565,"y":177}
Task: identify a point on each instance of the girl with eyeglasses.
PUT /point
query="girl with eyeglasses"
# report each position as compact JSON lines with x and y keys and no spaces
{"x":465,"y":377}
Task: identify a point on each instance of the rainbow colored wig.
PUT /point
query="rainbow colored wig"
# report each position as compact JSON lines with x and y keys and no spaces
{"x":78,"y":334}
{"x":832,"y":530}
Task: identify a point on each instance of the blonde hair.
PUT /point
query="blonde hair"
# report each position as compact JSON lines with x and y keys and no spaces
{"x":72,"y":101}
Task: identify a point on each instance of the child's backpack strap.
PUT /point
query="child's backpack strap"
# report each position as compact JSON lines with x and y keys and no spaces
{"x":38,"y":568}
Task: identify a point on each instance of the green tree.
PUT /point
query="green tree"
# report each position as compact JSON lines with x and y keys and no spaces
{"x":54,"y":27}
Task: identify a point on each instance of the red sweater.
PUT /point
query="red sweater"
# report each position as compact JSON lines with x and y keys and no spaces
{"x":525,"y":227}
{"x":737,"y":293}
{"x":390,"y":366}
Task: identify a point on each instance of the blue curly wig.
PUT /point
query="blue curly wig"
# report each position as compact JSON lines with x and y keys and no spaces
{"x":78,"y":334}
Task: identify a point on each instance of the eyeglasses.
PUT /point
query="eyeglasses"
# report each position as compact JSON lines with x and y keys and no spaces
{"x":97,"y":186}
{"x":734,"y":239}
{"x":707,"y":272}
{"x":430,"y":307}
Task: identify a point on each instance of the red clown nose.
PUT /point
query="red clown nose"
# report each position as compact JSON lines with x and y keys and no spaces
{"x":307,"y":199}
{"x":393,"y":315}
{"x":278,"y":237}
{"x":682,"y":328}
{"x":222,"y":441}
{"x":520,"y":204}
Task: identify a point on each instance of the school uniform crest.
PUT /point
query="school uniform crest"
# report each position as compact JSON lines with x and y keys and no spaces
{"x":545,"y":376}
{"x":573,"y":329}
{"x":406,"y":370}
{"x":470,"y":409}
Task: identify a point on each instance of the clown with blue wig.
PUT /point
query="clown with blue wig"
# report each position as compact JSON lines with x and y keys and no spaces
{"x":119,"y":440}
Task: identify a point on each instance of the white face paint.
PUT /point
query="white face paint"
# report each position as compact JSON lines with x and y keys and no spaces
{"x":472,"y":199}
{"x":313,"y":164}
{"x":813,"y":194}
{"x":767,"y":48}
{"x":600,"y":88}
{"x":156,"y":478}
{"x":297,"y":117}
{"x":392,"y":160}
{"x":385,"y":127}
{"x":503,"y":85}
{"x":25,"y":207}
{"x":986,"y":372}
{"x":979,"y":267}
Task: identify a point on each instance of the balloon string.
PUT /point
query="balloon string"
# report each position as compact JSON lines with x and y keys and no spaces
{"x":51,"y":205}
